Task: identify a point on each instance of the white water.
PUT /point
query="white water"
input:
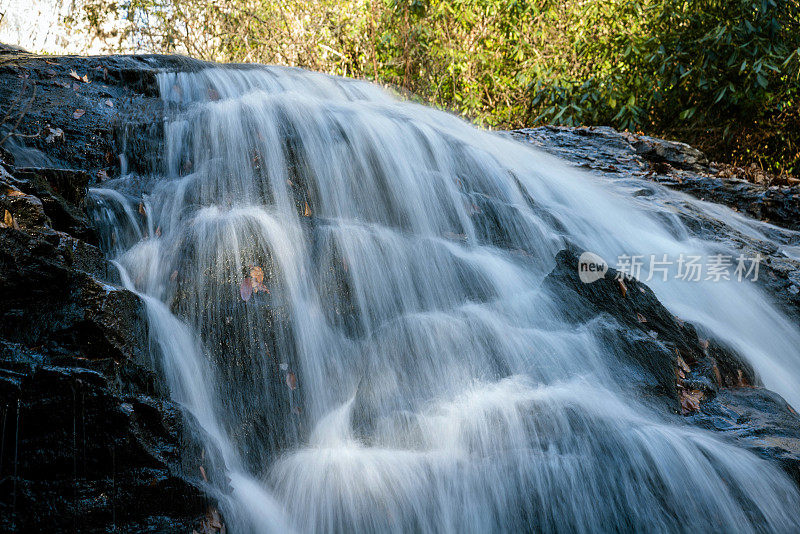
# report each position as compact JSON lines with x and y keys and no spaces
{"x":438,"y":390}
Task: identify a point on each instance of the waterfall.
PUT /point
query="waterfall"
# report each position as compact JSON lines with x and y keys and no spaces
{"x":344,"y":291}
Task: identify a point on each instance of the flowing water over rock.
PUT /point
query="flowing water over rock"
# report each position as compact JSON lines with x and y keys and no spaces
{"x":345,"y":292}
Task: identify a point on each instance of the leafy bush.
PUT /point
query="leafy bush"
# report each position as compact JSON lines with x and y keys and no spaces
{"x":720,"y":73}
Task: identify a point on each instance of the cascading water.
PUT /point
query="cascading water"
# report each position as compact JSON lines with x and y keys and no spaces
{"x":400,"y":366}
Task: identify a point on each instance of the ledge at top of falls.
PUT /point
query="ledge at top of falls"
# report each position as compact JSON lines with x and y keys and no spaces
{"x":99,"y":443}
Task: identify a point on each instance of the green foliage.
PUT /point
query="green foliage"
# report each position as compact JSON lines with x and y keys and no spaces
{"x":704,"y":70}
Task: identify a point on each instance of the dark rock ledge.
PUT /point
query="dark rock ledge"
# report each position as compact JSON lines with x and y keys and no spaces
{"x":89,"y":440}
{"x":675,"y":165}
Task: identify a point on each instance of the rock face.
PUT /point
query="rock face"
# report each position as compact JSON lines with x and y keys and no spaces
{"x":676,"y":165}
{"x":89,"y":440}
{"x":663,"y":357}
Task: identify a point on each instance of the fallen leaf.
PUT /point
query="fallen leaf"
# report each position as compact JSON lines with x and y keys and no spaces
{"x":717,"y":376}
{"x":679,"y":376}
{"x":641,"y":318}
{"x":78,"y":113}
{"x":74,"y":74}
{"x":142,"y":211}
{"x":246,"y":288}
{"x":682,"y":364}
{"x":158,"y":231}
{"x":15,"y":193}
{"x":9,"y":221}
{"x":291,"y":380}
{"x":257,"y":274}
{"x":50,"y":62}
{"x":203,"y":473}
{"x":173,"y":276}
{"x":623,"y":289}
{"x":307,"y":211}
{"x":109,"y":103}
{"x":690,"y":401}
{"x":85,"y":78}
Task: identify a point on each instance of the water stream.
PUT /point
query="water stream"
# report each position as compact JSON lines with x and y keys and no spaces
{"x":399,"y":367}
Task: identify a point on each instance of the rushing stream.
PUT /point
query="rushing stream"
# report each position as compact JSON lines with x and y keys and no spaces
{"x":344,"y":292}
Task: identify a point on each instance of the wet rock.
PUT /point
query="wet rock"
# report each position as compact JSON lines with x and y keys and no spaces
{"x":756,"y":419}
{"x":674,"y":368}
{"x":91,"y":442}
{"x":79,"y":457}
{"x":675,"y":165}
{"x":644,"y":333}
{"x":119,"y":98}
{"x":675,"y":154}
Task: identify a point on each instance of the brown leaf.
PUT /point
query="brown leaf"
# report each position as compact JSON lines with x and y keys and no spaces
{"x":50,"y":62}
{"x":257,"y":274}
{"x":174,"y":276}
{"x":74,"y":75}
{"x":741,"y":381}
{"x":9,"y":221}
{"x":78,"y":113}
{"x":641,"y":318}
{"x":717,"y":376}
{"x":203,"y":473}
{"x":246,"y":288}
{"x":682,"y":364}
{"x":85,"y":78}
{"x":109,"y":103}
{"x":158,"y":231}
{"x":15,"y":193}
{"x":307,"y":211}
{"x":623,"y":289}
{"x":291,"y":380}
{"x":690,"y":401}
{"x":142,"y":211}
